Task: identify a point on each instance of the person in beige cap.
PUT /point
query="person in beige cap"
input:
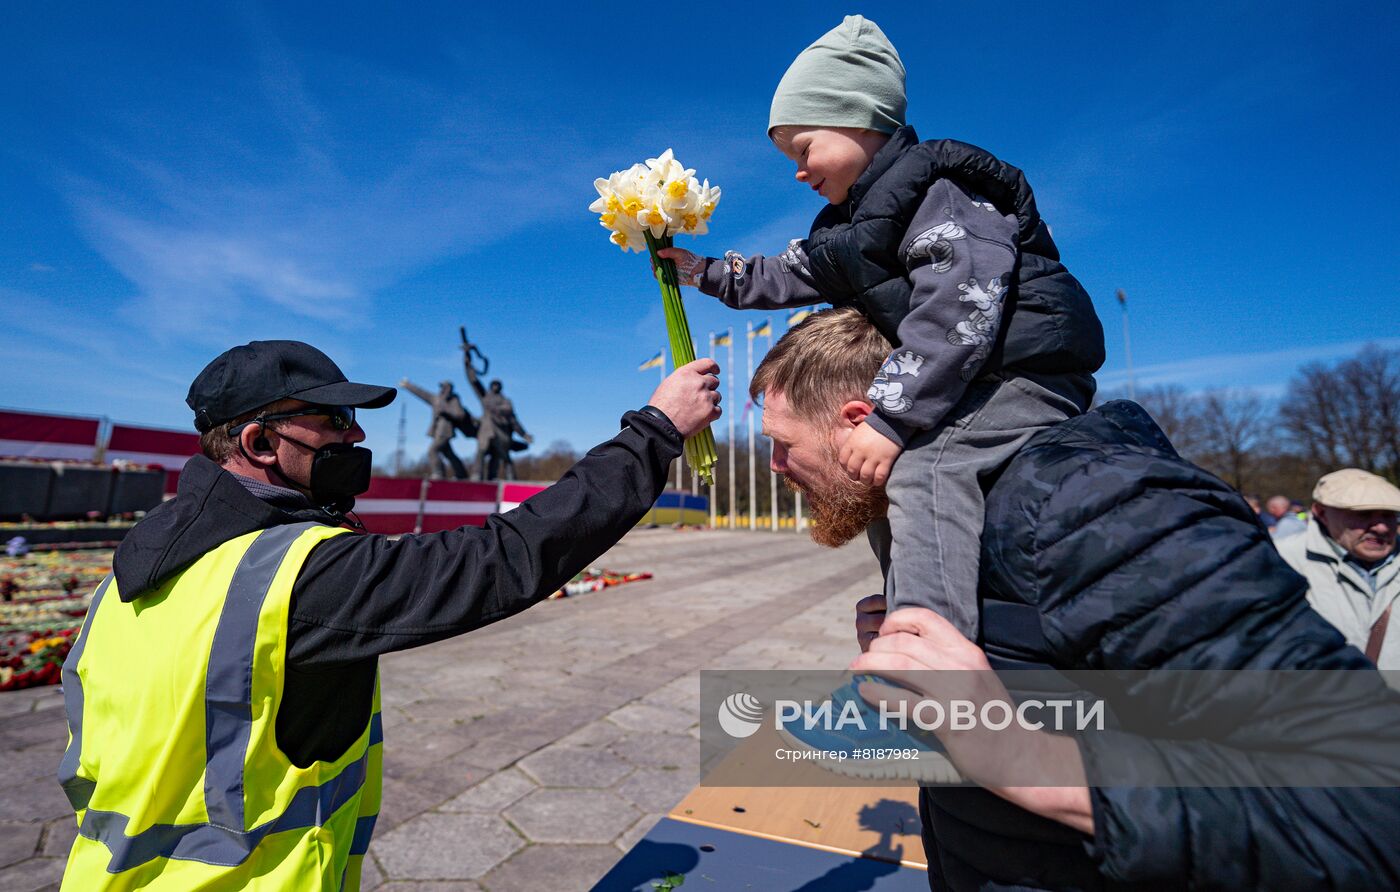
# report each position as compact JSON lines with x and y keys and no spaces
{"x":1348,"y":556}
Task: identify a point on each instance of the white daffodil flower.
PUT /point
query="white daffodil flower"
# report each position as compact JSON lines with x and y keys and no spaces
{"x":643,"y":207}
{"x":660,"y":198}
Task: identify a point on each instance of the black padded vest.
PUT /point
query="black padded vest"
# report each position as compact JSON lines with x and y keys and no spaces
{"x":1048,"y":321}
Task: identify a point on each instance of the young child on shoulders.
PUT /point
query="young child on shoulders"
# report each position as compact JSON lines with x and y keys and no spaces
{"x":940,"y":244}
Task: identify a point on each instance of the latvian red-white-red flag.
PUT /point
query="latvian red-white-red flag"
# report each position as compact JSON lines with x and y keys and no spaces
{"x":162,"y":448}
{"x":40,"y":435}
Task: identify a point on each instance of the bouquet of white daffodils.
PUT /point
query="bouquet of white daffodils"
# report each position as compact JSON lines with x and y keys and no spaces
{"x":648,"y":204}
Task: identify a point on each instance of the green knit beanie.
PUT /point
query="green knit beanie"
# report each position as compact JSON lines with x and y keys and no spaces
{"x":851,"y":77}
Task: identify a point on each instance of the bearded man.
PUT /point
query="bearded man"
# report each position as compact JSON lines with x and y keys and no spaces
{"x":1102,"y":549}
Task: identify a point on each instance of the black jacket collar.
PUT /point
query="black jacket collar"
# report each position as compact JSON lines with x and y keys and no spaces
{"x":210,"y":508}
{"x":899,"y":142}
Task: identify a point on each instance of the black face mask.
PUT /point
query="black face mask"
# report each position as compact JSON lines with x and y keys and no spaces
{"x":339,"y":472}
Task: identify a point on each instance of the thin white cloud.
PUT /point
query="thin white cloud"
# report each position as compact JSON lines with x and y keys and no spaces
{"x":191,"y":277}
{"x":56,"y":356}
{"x":208,"y":254}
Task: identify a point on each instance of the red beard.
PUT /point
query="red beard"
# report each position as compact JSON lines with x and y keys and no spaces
{"x":841,"y":508}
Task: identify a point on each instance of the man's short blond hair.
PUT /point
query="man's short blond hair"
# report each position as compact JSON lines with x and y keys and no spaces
{"x":823,"y":362}
{"x":218,"y":444}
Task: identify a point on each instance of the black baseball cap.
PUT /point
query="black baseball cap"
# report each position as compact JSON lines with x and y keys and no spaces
{"x":262,"y":372}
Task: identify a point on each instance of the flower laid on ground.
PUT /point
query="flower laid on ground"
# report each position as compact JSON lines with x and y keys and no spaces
{"x":43,"y":598}
{"x":648,"y":205}
{"x":42,"y":644}
{"x":39,"y":662}
{"x":594,"y":580}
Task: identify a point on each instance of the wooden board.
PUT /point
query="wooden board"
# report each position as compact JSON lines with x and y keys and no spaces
{"x":827,"y":812}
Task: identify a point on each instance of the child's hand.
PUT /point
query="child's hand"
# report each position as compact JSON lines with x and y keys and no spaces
{"x":689,"y":266}
{"x":867,"y":455}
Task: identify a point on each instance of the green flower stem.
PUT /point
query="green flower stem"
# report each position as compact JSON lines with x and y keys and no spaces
{"x":700,"y":449}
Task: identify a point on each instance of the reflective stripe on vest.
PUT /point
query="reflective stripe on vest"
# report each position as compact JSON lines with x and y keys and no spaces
{"x":228,"y":698}
{"x":78,"y":789}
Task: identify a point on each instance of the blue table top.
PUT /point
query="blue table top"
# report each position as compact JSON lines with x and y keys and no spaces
{"x":721,"y":860}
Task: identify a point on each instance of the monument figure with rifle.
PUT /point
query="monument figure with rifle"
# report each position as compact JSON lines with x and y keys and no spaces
{"x":449,"y":416}
{"x":495,"y":435}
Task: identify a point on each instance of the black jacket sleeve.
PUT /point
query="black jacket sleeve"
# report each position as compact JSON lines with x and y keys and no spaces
{"x":361,"y":596}
{"x":1141,"y":561}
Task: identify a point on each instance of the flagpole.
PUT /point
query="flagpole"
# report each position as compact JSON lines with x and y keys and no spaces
{"x":797,"y":494}
{"x":680,"y":460}
{"x":695,"y":475}
{"x":753,"y":473}
{"x":714,"y":508}
{"x":1127,"y":347}
{"x":772,"y":474}
{"x":403,"y":438}
{"x":730,"y":359}
{"x":651,"y":513}
{"x":660,"y":360}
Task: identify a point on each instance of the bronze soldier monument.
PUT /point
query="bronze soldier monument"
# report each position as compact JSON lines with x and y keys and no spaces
{"x":495,"y":436}
{"x":449,"y":416}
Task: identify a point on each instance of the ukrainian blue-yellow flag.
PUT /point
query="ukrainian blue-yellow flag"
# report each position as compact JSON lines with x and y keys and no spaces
{"x":763,"y":331}
{"x":722,"y":340}
{"x":653,"y":363}
{"x":797,"y":316}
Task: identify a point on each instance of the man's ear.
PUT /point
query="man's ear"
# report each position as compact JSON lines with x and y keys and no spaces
{"x":256,"y":447}
{"x":854,"y":412}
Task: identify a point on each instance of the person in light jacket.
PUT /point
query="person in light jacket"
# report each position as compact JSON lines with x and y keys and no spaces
{"x":1348,"y":556}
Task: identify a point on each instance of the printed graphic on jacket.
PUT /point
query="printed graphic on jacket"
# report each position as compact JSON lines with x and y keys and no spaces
{"x":935,"y":244}
{"x":889,"y":395}
{"x":794,"y":259}
{"x":980,"y":327}
{"x":737,"y":265}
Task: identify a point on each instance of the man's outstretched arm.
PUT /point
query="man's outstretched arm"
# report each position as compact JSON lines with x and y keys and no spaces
{"x":359,"y":596}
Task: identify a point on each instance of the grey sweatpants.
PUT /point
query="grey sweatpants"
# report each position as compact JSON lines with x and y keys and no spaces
{"x":935,"y":488}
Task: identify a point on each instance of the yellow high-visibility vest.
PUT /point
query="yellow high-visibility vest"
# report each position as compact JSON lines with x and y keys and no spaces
{"x":173,"y":765}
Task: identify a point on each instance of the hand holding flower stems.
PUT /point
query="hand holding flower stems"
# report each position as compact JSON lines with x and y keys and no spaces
{"x":690,"y":396}
{"x":649,"y":204}
{"x":689,"y":265}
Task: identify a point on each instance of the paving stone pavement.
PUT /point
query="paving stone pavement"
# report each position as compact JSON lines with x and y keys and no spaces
{"x":531,"y":754}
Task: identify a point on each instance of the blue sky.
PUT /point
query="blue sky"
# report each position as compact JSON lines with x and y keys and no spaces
{"x":180,"y":178}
